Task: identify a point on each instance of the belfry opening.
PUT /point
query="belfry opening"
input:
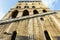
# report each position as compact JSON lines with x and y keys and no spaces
{"x":25,"y":13}
{"x":14,"y":13}
{"x":35,"y":11}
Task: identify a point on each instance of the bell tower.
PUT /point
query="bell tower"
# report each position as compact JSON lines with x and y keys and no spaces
{"x":30,"y":20}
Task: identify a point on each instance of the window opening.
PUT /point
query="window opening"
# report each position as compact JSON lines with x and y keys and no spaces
{"x":35,"y":12}
{"x":44,"y":11}
{"x":14,"y":13}
{"x":47,"y":35}
{"x":25,"y":13}
{"x":13,"y":35}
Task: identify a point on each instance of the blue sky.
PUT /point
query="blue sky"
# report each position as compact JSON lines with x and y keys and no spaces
{"x":5,"y":5}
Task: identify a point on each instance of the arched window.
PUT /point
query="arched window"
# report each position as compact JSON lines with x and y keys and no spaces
{"x":25,"y":13}
{"x":27,"y":6}
{"x":24,"y":6}
{"x":35,"y":12}
{"x":14,"y":13}
{"x":33,"y":6}
{"x":47,"y":35}
{"x":44,"y":10}
{"x":13,"y":37}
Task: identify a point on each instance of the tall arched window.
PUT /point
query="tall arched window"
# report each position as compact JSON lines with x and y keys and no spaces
{"x":14,"y":13}
{"x":13,"y":37}
{"x":35,"y":12}
{"x":47,"y":35}
{"x":25,"y":13}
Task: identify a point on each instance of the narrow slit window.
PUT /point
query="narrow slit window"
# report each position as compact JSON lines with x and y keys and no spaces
{"x":13,"y":37}
{"x":47,"y":35}
{"x":14,"y":13}
{"x":35,"y":12}
{"x":25,"y":13}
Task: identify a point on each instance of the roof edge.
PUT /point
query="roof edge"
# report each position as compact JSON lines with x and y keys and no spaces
{"x":29,"y":1}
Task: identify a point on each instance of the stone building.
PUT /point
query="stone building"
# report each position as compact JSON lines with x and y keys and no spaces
{"x":30,"y":20}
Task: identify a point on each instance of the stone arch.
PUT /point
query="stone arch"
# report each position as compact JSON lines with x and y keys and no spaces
{"x":25,"y":13}
{"x":35,"y":11}
{"x":47,"y":35}
{"x":14,"y":13}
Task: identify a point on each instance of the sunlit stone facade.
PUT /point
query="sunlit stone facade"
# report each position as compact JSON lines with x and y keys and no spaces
{"x":38,"y":28}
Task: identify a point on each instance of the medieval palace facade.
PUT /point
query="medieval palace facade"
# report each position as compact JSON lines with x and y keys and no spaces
{"x":30,"y":20}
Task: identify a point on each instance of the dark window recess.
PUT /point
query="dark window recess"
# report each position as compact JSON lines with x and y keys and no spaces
{"x":13,"y":37}
{"x":47,"y":35}
{"x":24,"y":6}
{"x":41,"y":19}
{"x":25,"y":13}
{"x":35,"y":12}
{"x":44,"y":11}
{"x":18,"y":7}
{"x":33,"y":6}
{"x":14,"y":13}
{"x":27,"y":6}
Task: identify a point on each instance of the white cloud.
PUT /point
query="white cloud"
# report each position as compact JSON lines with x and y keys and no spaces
{"x":50,"y":3}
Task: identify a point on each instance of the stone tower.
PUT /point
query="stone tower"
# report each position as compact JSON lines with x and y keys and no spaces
{"x":33,"y":27}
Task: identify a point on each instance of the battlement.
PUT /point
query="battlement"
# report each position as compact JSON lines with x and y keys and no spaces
{"x":29,"y":1}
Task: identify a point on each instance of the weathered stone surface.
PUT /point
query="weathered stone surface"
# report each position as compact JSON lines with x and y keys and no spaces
{"x":31,"y":29}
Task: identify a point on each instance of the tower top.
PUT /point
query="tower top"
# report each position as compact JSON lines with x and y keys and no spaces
{"x":29,"y":1}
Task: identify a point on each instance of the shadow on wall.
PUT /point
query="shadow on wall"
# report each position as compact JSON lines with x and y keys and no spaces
{"x":22,"y":38}
{"x":57,"y":37}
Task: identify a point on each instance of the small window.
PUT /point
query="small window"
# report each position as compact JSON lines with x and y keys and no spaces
{"x":33,"y":6}
{"x":13,"y":37}
{"x":27,"y":6}
{"x":41,"y":19}
{"x":35,"y":12}
{"x":44,"y":11}
{"x":18,"y":7}
{"x":47,"y":35}
{"x":24,"y":6}
{"x":14,"y":13}
{"x":25,"y":13}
